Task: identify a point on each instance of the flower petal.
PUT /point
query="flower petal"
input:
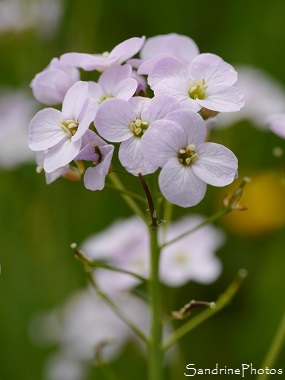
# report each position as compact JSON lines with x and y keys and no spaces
{"x":181,"y":47}
{"x":179,"y":185}
{"x":162,"y":141}
{"x":74,"y":100}
{"x":113,"y":119}
{"x":216,"y":164}
{"x":131,"y":157}
{"x":61,"y":154}
{"x":127,"y":49}
{"x":222,"y":99}
{"x":192,"y":123}
{"x":159,"y":107}
{"x":112,"y":76}
{"x":213,"y":69}
{"x":44,"y":130}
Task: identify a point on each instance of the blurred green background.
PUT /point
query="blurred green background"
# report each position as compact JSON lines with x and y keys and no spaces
{"x":38,"y":222}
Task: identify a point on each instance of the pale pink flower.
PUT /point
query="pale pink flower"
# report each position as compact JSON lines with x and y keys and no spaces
{"x":207,"y":82}
{"x":51,"y":85}
{"x":120,"y":121}
{"x":120,"y":54}
{"x":61,"y":132}
{"x":191,"y":258}
{"x":188,"y":163}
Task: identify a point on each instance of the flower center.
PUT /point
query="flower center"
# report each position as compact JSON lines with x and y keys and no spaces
{"x":105,"y":54}
{"x":187,"y":156}
{"x":138,"y":127}
{"x":197,"y":89}
{"x":69,"y":127}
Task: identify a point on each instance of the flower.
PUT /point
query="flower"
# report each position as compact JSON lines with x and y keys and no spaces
{"x":61,"y":132}
{"x":16,"y":110}
{"x":207,"y":82}
{"x":101,"y":62}
{"x":263,"y":95}
{"x":115,"y":82}
{"x":192,"y":257}
{"x":51,"y":85}
{"x":188,"y":163}
{"x":277,"y":124}
{"x":120,"y":121}
{"x":96,"y":150}
{"x":175,"y":45}
{"x":122,"y":249}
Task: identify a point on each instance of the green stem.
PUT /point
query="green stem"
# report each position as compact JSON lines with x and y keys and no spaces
{"x":116,"y":310}
{"x":222,"y":301}
{"x":155,"y":352}
{"x":128,"y":199}
{"x":96,"y":264}
{"x":275,"y":348}
{"x":127,"y":192}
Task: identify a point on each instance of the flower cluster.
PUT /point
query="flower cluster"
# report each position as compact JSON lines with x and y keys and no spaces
{"x":166,"y":131}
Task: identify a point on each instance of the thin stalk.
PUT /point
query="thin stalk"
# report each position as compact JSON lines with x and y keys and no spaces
{"x":222,"y":301}
{"x":96,"y":264}
{"x":115,"y":308}
{"x":274,"y":349}
{"x":127,"y":198}
{"x":155,"y":352}
{"x":127,"y":192}
{"x":211,"y":219}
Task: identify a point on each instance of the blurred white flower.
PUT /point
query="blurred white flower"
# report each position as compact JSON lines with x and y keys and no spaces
{"x":61,"y":367}
{"x":263,"y":96}
{"x":43,"y":15}
{"x":83,"y":326}
{"x":16,"y":110}
{"x":191,"y":258}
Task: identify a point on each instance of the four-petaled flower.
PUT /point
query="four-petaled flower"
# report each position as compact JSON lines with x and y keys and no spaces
{"x":61,"y":132}
{"x":207,"y":82}
{"x":188,"y":163}
{"x":128,"y":122}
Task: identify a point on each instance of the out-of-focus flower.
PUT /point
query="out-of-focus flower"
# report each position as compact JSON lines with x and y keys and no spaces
{"x":207,"y":82}
{"x":264,"y":198}
{"x":263,"y":95}
{"x":61,"y":132}
{"x":188,"y":163}
{"x":60,"y":366}
{"x":277,"y":124}
{"x":51,"y":85}
{"x":16,"y":110}
{"x":85,"y":328}
{"x":128,"y":122}
{"x":89,"y":62}
{"x":43,"y":15}
{"x":193,"y":257}
{"x":124,"y":245}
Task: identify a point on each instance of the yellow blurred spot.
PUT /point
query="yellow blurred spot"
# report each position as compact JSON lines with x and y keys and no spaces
{"x":264,"y":196}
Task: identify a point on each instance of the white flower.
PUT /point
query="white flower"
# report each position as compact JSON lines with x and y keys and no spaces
{"x":16,"y":110}
{"x":188,"y":163}
{"x":192,"y":257}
